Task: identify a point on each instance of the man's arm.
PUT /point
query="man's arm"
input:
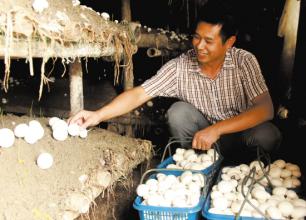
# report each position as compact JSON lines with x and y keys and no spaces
{"x":261,"y":111}
{"x":122,"y":104}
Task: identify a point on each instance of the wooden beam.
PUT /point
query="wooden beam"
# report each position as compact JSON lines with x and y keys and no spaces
{"x":161,"y":41}
{"x":19,"y":48}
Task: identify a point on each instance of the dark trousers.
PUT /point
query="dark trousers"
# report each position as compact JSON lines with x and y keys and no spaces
{"x":185,"y":120}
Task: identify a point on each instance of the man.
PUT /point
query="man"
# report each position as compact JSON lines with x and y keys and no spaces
{"x":223,"y":92}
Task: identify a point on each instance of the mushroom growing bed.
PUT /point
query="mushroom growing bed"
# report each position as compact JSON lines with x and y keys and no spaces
{"x":82,"y":169}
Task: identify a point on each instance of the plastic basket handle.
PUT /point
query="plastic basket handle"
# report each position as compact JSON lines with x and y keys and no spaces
{"x":173,"y":140}
{"x":217,"y":150}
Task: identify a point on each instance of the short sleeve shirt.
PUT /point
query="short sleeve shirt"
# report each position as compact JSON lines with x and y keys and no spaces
{"x":239,"y":81}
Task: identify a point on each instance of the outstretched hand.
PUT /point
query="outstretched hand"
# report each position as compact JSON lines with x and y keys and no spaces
{"x":85,"y":118}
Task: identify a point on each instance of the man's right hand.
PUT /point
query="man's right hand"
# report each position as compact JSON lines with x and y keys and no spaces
{"x":85,"y":118}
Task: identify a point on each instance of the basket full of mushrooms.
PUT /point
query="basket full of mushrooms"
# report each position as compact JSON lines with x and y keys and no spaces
{"x":207,"y":162}
{"x":256,"y":191}
{"x":169,"y":196}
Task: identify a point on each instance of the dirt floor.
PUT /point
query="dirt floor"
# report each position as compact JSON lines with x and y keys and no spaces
{"x":72,"y":183}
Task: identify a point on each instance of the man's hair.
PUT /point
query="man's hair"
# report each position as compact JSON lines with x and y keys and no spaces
{"x":219,"y":12}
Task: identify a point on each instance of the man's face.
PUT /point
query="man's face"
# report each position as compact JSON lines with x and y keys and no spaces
{"x":208,"y":44}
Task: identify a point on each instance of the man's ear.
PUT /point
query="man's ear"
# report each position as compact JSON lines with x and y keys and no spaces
{"x":231,"y":41}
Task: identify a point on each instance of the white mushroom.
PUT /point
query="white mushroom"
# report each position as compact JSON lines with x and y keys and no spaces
{"x":7,"y":138}
{"x":257,"y":164}
{"x":31,"y":138}
{"x":296,"y":182}
{"x":275,"y":172}
{"x":83,"y":132}
{"x":279,"y":191}
{"x":105,"y":15}
{"x":180,"y":151}
{"x":291,"y":194}
{"x":53,"y":120}
{"x":299,"y":212}
{"x":292,"y":167}
{"x":296,"y":173}
{"x":60,"y":134}
{"x":40,"y":5}
{"x":44,"y":161}
{"x":21,"y":130}
{"x":142,"y":190}
{"x":178,"y":157}
{"x":220,"y":203}
{"x":225,"y":186}
{"x":274,"y":212}
{"x":216,"y":194}
{"x":276,"y":182}
{"x":285,"y":173}
{"x":260,"y":195}
{"x":286,"y":208}
{"x":280,"y":163}
{"x":36,"y":129}
{"x":73,"y":129}
{"x":299,"y":202}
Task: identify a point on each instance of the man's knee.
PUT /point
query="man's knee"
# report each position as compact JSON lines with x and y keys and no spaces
{"x":178,"y":112}
{"x":267,"y":136}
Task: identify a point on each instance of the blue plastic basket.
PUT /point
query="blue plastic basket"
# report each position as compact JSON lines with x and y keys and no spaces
{"x":210,"y":172}
{"x":214,"y":168}
{"x":147,"y":212}
{"x":211,"y":216}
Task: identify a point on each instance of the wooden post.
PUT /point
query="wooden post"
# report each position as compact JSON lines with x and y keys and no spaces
{"x":288,"y":29}
{"x":128,"y":78}
{"x":126,"y":15}
{"x":76,"y":87}
{"x":126,"y":10}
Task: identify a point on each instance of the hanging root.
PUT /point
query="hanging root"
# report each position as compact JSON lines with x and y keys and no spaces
{"x":30,"y":57}
{"x":128,"y":65}
{"x":43,"y":78}
{"x":8,"y":42}
{"x":117,"y":59}
{"x":123,"y":44}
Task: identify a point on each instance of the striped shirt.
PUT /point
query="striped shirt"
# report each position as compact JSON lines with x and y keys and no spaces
{"x":238,"y":82}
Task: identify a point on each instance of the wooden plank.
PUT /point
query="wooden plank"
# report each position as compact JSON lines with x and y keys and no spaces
{"x":161,"y":41}
{"x":19,"y":48}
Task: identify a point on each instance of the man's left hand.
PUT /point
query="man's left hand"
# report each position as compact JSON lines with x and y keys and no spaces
{"x":204,"y":139}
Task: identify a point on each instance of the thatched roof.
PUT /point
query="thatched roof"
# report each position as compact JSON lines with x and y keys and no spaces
{"x":59,"y":28}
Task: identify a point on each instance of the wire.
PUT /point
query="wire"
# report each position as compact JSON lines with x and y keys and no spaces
{"x":251,"y":176}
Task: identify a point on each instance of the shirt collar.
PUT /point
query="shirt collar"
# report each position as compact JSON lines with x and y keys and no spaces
{"x":228,"y":61}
